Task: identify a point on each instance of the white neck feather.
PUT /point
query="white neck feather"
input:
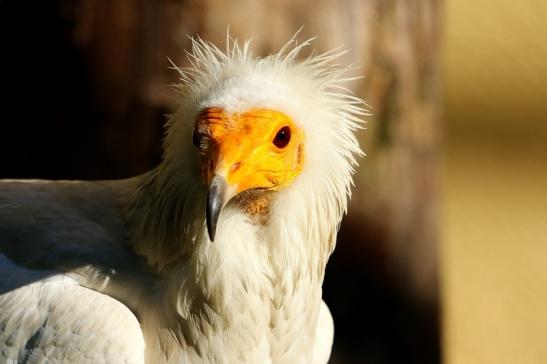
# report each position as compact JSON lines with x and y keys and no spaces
{"x":252,"y":273}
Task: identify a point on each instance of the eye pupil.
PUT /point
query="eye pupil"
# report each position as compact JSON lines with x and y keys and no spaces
{"x":283,"y":137}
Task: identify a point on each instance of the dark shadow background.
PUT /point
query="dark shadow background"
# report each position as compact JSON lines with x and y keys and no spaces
{"x":75,"y":106}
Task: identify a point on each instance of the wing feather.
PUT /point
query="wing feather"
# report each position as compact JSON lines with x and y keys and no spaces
{"x":58,"y":240}
{"x":53,"y":319}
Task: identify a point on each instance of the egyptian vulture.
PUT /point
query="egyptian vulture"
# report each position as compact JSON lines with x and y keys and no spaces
{"x":218,"y":254}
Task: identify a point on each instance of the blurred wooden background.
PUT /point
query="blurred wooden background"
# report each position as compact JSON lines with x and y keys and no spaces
{"x":85,"y":85}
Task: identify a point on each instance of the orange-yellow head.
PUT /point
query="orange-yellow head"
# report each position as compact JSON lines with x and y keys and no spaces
{"x":256,"y":150}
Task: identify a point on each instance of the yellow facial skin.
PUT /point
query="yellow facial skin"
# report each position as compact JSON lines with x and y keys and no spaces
{"x":242,"y":148}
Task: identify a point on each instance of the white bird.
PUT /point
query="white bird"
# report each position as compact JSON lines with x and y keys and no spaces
{"x":215,"y":256}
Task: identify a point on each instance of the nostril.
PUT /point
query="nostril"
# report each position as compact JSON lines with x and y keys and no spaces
{"x":235,"y":166}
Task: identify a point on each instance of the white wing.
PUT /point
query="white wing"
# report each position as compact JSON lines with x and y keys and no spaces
{"x":55,"y":320}
{"x":52,"y":234}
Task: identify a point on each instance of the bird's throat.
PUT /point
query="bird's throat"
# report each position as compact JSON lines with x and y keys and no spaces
{"x":256,"y":204}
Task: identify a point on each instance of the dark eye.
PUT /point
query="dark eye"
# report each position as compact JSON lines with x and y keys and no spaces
{"x":283,"y":137}
{"x":196,"y":138}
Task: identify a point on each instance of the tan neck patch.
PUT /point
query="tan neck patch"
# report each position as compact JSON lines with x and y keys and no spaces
{"x":255,"y":203}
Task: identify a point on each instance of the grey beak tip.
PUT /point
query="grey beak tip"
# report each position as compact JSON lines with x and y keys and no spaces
{"x":215,"y":202}
{"x":211,"y":227}
{"x":211,"y":231}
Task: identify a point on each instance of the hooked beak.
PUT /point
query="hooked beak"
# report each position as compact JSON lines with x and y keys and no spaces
{"x":216,"y":199}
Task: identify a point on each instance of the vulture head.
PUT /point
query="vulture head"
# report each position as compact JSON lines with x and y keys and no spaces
{"x":269,"y":139}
